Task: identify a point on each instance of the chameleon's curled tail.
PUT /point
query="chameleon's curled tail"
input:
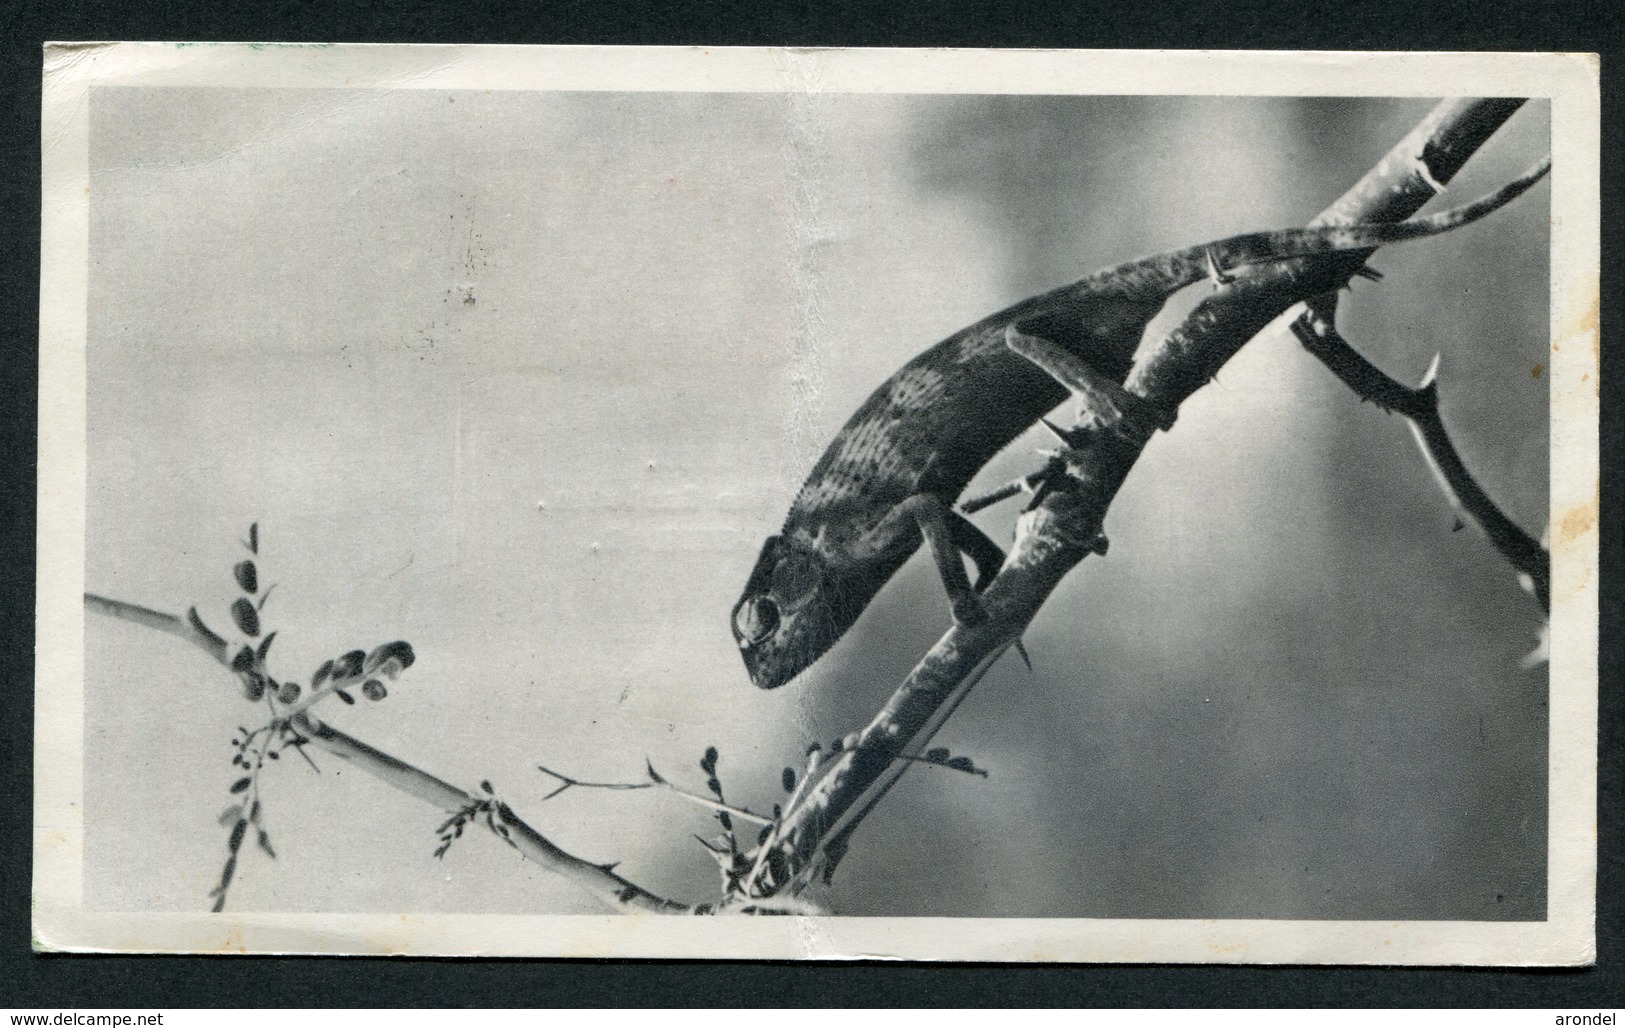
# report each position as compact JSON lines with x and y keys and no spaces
{"x":1360,"y":237}
{"x":1165,"y":272}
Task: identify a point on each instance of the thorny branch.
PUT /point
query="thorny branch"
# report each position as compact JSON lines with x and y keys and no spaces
{"x":1063,"y":526}
{"x":604,"y":885}
{"x":1319,"y":335}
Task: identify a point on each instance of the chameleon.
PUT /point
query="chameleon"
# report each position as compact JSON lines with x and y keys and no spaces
{"x":891,"y":475}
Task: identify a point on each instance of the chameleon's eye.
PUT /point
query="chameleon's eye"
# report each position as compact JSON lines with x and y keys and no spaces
{"x":794,"y":576}
{"x":755,"y":619}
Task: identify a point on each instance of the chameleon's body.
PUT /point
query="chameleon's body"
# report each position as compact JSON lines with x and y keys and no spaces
{"x":892,"y":473}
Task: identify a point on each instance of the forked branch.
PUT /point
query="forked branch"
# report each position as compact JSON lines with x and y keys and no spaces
{"x":1319,"y":335}
{"x":611,"y":889}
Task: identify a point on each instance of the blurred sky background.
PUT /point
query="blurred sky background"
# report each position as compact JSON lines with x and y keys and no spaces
{"x":525,"y":379}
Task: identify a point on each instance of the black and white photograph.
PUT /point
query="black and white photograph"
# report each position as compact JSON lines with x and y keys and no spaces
{"x":1020,"y":506}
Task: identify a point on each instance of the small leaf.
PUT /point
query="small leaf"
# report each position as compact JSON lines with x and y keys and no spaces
{"x":399,"y":650}
{"x":485,"y":786}
{"x":247,"y":576}
{"x":373,"y":689}
{"x":289,"y":693}
{"x":762,"y":835}
{"x":246,"y":617}
{"x":961,"y":764}
{"x":937,"y":753}
{"x":202,"y":629}
{"x":264,"y":648}
{"x":243,"y":661}
{"x":254,"y":538}
{"x":230,"y":814}
{"x":265,"y":844}
{"x":715,"y":787}
{"x":253,"y":685}
{"x":321,"y":675}
{"x":254,"y":812}
{"x":226,"y":873}
{"x":349,"y":665}
{"x":346,"y":697}
{"x":787,"y":778}
{"x":239,"y":785}
{"x":726,"y":821}
{"x":778,"y":865}
{"x":237,"y":831}
{"x":708,"y":763}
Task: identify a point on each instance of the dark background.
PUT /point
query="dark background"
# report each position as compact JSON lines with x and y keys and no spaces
{"x":57,"y":981}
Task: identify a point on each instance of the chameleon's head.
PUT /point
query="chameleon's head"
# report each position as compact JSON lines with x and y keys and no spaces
{"x":786,"y":618}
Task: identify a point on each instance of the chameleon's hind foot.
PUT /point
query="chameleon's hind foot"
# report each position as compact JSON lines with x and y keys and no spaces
{"x":1099,"y":396}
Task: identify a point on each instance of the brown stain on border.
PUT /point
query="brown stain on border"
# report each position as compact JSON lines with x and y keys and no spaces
{"x":1577,"y":521}
{"x":1589,"y":321}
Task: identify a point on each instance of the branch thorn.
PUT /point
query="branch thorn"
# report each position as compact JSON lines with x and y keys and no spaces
{"x":1431,"y":375}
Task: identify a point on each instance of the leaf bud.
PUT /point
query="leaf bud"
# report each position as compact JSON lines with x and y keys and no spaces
{"x":246,"y":617}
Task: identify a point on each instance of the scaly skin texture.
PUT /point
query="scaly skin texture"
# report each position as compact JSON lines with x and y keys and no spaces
{"x":893,"y":472}
{"x":927,"y":431}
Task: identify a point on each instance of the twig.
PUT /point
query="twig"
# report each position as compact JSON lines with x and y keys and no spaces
{"x":655,"y":780}
{"x":706,"y":802}
{"x":765,"y":847}
{"x":611,"y":889}
{"x":1319,"y":335}
{"x":568,"y":782}
{"x":191,"y":630}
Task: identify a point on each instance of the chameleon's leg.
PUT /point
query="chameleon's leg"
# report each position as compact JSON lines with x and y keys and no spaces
{"x":974,"y":543}
{"x":1096,"y":392}
{"x":988,"y":558}
{"x":933,"y":515}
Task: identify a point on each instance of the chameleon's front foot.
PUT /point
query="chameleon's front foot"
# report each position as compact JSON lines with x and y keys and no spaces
{"x":947,"y":535}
